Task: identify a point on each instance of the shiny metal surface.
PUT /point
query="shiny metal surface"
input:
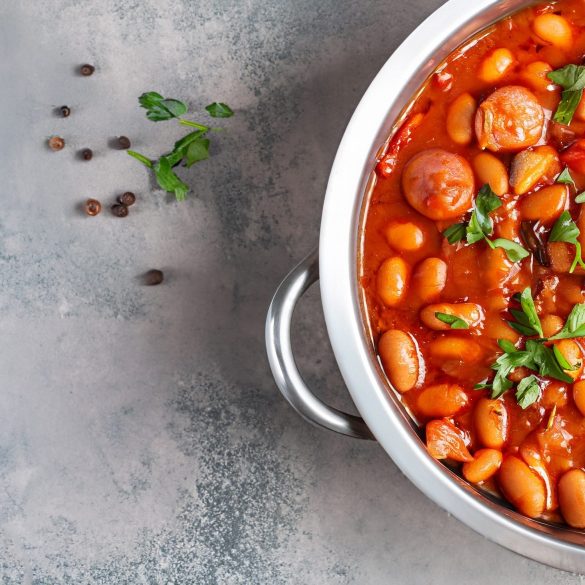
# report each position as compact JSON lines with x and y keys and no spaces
{"x":372,"y":122}
{"x":400,"y":78}
{"x":282,"y":361}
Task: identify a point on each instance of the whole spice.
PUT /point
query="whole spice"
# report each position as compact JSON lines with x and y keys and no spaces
{"x":86,"y":70}
{"x":65,"y":111}
{"x":120,"y":210}
{"x":124,"y":142}
{"x":87,"y":154}
{"x":56,"y":143}
{"x":153,"y":277}
{"x":127,"y":198}
{"x":92,"y":207}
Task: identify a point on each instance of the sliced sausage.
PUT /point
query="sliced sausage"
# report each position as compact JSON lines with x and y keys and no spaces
{"x":509,"y":119}
{"x":438,"y":184}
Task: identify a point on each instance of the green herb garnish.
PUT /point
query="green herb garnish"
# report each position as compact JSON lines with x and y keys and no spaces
{"x":574,"y":325}
{"x":455,"y":233}
{"x":514,"y":251}
{"x":160,"y":109}
{"x":452,"y":320}
{"x":481,"y":226}
{"x":527,"y":391}
{"x":219,"y":110}
{"x":572,"y":79}
{"x":546,"y":360}
{"x":191,"y":149}
{"x":566,"y":230}
{"x":168,"y":180}
{"x":580,"y":198}
{"x":565,"y":177}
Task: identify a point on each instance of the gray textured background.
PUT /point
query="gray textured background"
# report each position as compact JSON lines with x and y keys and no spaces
{"x":141,"y":437}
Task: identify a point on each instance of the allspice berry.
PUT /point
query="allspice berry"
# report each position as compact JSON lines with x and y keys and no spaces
{"x":153,"y":277}
{"x":124,"y":142}
{"x":120,"y":210}
{"x":56,"y":143}
{"x":127,"y":198}
{"x":92,"y":207}
{"x":65,"y":111}
{"x":86,"y":70}
{"x":87,"y":154}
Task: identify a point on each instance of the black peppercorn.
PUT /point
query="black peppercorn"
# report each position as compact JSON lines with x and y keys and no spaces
{"x":127,"y":198}
{"x":56,"y":143}
{"x":86,"y":70}
{"x":92,"y":207}
{"x":65,"y":111}
{"x":153,"y":277}
{"x":123,"y":142}
{"x":120,"y":210}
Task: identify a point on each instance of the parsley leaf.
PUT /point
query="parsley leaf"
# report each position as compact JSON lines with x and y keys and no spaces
{"x":526,"y":321}
{"x":219,"y":110}
{"x":455,"y":233}
{"x":480,"y":226}
{"x":563,"y":362}
{"x":574,"y":325}
{"x":572,"y":79}
{"x":197,"y":151}
{"x":565,"y":177}
{"x":452,"y":320}
{"x":160,"y":109}
{"x":527,"y":304}
{"x":168,"y":180}
{"x":566,"y":230}
{"x":580,"y":198}
{"x":514,"y":251}
{"x":481,"y":223}
{"x":527,"y":391}
{"x":546,"y":361}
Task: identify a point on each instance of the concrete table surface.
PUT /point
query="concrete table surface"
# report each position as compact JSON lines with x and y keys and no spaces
{"x":142,"y":439}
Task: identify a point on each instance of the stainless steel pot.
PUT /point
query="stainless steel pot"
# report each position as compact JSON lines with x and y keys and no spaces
{"x":384,"y":418}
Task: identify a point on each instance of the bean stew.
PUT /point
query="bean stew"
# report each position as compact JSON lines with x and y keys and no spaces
{"x":471,"y":261}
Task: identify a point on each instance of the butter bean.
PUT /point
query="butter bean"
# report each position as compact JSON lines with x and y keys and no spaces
{"x":471,"y":313}
{"x":460,"y":119}
{"x":485,"y":464}
{"x":553,"y":29}
{"x":400,"y":359}
{"x":490,"y":419}
{"x":429,"y":278}
{"x":491,"y":170}
{"x":495,"y":65}
{"x":391,"y":280}
{"x":442,"y":400}
{"x":522,"y":487}
{"x":546,"y":204}
{"x":571,"y":488}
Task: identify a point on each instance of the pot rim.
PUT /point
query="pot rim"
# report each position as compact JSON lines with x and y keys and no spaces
{"x":390,"y":91}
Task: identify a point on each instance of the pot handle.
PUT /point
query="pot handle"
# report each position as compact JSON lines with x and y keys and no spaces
{"x":282,"y":361}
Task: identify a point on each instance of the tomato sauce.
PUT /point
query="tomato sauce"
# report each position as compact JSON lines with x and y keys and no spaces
{"x":490,"y":116}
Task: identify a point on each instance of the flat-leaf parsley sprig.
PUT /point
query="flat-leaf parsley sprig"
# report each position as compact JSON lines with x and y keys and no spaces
{"x":481,"y":226}
{"x":191,"y":149}
{"x":545,"y":360}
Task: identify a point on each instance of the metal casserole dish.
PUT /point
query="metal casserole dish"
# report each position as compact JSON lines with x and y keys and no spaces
{"x":336,"y":264}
